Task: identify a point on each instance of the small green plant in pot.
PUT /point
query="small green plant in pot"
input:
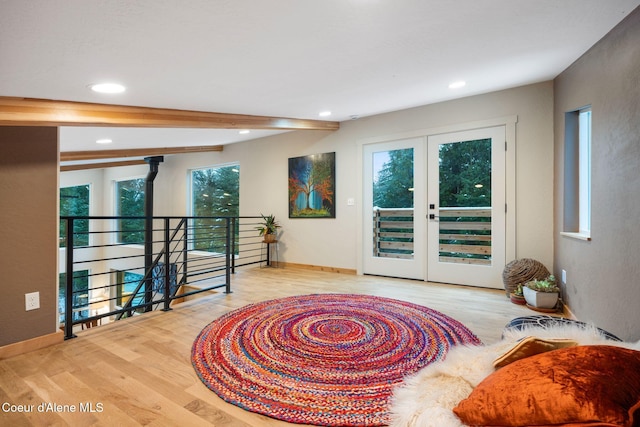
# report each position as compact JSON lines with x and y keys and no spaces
{"x":268,"y":228}
{"x":517,"y":296}
{"x":542,"y":293}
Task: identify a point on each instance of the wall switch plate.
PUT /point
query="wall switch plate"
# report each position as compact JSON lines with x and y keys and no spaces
{"x":564,"y":277}
{"x":32,"y":301}
{"x":351,"y":201}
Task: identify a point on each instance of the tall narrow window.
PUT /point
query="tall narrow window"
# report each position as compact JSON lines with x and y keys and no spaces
{"x":215,"y":193}
{"x":577,"y":174}
{"x":74,"y":201}
{"x":130,"y":203}
{"x":584,"y":118}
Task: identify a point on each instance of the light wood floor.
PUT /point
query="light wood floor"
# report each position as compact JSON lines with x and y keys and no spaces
{"x":138,"y":371}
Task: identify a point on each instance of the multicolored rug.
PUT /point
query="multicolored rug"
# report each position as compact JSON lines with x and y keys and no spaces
{"x":327,"y":359}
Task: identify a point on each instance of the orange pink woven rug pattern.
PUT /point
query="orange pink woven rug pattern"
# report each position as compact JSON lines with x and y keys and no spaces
{"x":324,"y":359}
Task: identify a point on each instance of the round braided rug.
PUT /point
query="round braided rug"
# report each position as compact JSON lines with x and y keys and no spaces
{"x":327,"y":359}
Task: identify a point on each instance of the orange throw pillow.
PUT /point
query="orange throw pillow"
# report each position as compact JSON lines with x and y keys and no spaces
{"x":585,"y":385}
{"x":530,"y":346}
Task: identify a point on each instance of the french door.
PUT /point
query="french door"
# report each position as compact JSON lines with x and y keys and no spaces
{"x":393,"y":200}
{"x":435,"y":208}
{"x":467,"y":207}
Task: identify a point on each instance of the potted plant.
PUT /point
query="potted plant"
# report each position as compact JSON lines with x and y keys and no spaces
{"x":542,"y":293}
{"x":517,"y":296}
{"x":268,"y":228}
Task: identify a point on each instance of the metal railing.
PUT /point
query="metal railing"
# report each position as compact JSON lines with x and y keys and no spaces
{"x":117,"y":272}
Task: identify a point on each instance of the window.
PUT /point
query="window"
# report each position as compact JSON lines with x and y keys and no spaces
{"x":130,"y":203}
{"x":577,"y":174}
{"x":127,"y":282}
{"x":74,"y":201}
{"x":80,"y":300}
{"x":215,"y":192}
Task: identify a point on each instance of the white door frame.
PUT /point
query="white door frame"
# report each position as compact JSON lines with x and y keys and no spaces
{"x":510,"y":175}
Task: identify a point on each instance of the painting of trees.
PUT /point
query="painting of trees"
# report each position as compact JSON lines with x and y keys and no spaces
{"x":312,"y":186}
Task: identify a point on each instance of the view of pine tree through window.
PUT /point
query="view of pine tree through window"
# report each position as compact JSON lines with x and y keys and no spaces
{"x":465,"y":182}
{"x":74,"y":201}
{"x":215,"y":193}
{"x":130,"y":202}
{"x":393,"y":183}
{"x":393,"y":203}
{"x":465,"y":174}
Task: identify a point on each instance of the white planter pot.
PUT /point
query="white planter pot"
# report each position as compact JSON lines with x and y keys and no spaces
{"x":540,"y":299}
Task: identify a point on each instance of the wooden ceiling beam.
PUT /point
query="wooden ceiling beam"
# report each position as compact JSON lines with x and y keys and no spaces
{"x":42,"y":112}
{"x":102,"y":165}
{"x":69,"y":156}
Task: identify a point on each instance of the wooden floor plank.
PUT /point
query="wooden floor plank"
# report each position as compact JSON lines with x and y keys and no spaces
{"x":139,"y":369}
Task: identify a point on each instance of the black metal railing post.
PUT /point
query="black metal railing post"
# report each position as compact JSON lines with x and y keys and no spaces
{"x":154,"y":162}
{"x":68,"y":300}
{"x":167,"y":265}
{"x":234,"y":225}
{"x":228,"y":257}
{"x":185,"y":252}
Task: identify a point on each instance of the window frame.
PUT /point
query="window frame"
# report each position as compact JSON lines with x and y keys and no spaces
{"x":577,"y":173}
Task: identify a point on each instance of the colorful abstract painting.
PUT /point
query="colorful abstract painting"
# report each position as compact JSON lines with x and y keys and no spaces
{"x":312,"y":186}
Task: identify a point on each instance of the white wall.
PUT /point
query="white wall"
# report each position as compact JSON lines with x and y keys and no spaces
{"x":333,"y":242}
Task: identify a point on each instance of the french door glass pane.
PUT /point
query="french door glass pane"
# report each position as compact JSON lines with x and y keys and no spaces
{"x":465,"y":202}
{"x":393,"y":203}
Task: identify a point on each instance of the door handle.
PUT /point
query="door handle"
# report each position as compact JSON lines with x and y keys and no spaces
{"x":433,"y":216}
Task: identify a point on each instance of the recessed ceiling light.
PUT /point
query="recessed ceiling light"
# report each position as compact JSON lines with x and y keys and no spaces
{"x":104,"y":141}
{"x":325,"y":114}
{"x":244,"y":132}
{"x":457,"y":85}
{"x":107,"y":88}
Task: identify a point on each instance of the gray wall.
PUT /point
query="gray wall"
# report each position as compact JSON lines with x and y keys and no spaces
{"x":603,"y":275}
{"x":28,"y":214}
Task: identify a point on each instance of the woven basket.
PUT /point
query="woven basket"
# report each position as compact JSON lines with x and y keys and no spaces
{"x":521,"y":271}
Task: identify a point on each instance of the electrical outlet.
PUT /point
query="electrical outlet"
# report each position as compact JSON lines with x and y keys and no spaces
{"x":564,"y":277}
{"x":32,"y":301}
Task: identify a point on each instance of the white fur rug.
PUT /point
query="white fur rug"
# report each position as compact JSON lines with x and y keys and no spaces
{"x":426,"y":399}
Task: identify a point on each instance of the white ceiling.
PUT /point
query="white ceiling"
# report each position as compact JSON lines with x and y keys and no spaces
{"x":289,"y":58}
